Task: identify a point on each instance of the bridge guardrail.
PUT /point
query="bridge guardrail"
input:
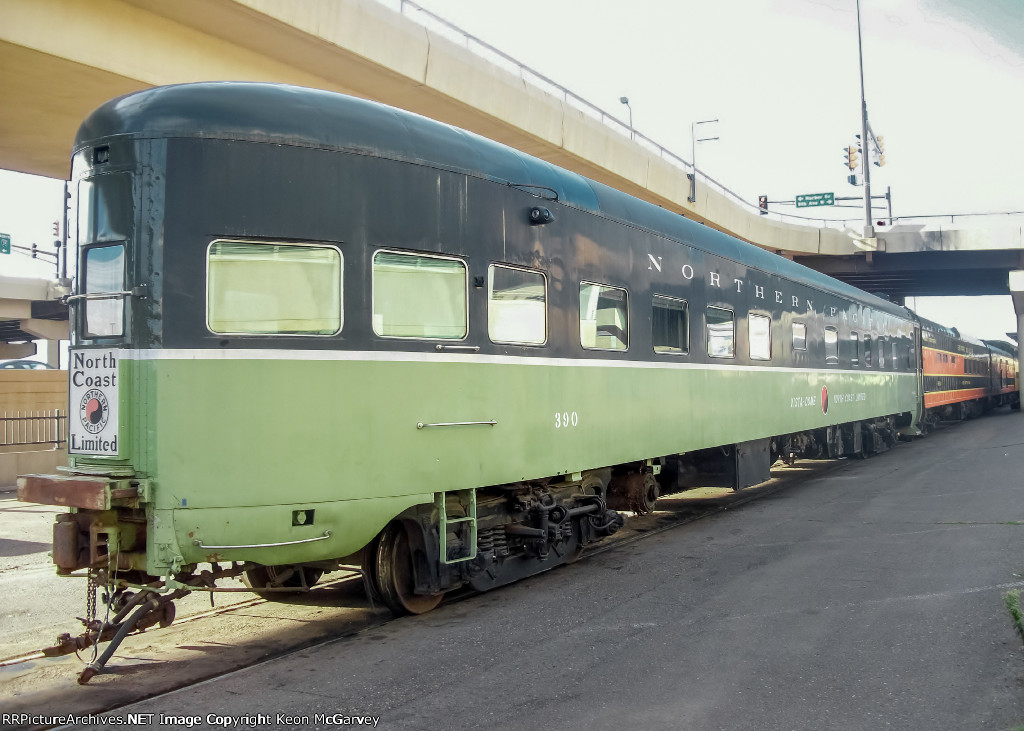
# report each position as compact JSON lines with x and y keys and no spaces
{"x":487,"y":52}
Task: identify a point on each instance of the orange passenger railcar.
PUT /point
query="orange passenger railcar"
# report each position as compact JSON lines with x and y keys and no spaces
{"x":962,"y":376}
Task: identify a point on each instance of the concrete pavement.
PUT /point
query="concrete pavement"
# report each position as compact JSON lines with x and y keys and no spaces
{"x":869,"y":598}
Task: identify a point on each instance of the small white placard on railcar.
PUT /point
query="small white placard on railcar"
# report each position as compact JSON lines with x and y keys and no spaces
{"x":93,"y":402}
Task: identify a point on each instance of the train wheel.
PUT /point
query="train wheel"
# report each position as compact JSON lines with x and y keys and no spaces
{"x":392,"y":574}
{"x":296,"y":578}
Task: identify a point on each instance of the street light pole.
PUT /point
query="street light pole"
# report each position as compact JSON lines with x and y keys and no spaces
{"x":625,"y":100}
{"x":869,"y":230}
{"x":693,"y":154}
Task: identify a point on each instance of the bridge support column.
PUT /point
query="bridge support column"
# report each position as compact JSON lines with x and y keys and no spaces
{"x":1016,"y":282}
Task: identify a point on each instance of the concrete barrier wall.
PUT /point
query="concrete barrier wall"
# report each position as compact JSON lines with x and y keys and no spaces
{"x":31,"y":392}
{"x":13,"y":464}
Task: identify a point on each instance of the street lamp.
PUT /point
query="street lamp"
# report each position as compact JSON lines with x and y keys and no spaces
{"x":693,"y":154}
{"x":625,"y":100}
{"x":869,"y":231}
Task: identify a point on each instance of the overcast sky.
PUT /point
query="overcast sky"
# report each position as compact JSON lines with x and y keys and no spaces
{"x":944,"y":86}
{"x":944,"y":82}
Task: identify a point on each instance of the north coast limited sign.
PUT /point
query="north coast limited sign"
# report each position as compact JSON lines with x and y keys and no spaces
{"x":93,"y":403}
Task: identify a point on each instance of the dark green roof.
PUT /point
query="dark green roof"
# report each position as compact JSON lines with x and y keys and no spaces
{"x":292,"y":115}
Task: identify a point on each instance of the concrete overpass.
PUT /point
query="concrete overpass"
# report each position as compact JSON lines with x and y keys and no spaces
{"x":59,"y":59}
{"x":62,"y":58}
{"x":28,"y":312}
{"x":929,"y":259}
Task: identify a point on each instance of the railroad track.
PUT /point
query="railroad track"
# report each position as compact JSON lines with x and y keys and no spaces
{"x":675,"y":510}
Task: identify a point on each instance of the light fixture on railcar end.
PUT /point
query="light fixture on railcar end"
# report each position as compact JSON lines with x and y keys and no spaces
{"x":540,"y":216}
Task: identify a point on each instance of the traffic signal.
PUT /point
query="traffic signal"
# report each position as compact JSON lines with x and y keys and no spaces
{"x":56,"y":229}
{"x":852,"y":157}
{"x":762,"y":203}
{"x":880,"y":141}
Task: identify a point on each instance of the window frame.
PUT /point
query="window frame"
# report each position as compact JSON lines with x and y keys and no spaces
{"x":490,"y":281}
{"x":855,"y":341}
{"x":750,"y":353}
{"x":270,"y":242}
{"x":686,"y":314}
{"x":122,"y":300}
{"x":425,"y":255}
{"x":707,"y":332}
{"x":803,"y":325}
{"x":579,"y":320}
{"x":835,"y":343}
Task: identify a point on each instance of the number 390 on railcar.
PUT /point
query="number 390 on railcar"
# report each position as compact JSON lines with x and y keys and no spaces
{"x":312,"y":330}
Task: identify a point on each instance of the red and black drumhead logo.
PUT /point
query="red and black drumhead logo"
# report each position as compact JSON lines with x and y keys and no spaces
{"x":93,"y":410}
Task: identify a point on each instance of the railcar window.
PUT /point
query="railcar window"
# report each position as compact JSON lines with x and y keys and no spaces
{"x":854,"y":345}
{"x":670,"y":329}
{"x":273,"y":289}
{"x":419,"y":296}
{"x":516,"y":305}
{"x":831,"y":345}
{"x":721,"y":326}
{"x":799,"y":336}
{"x":895,"y":364}
{"x":881,"y":352}
{"x":759,"y":332}
{"x":604,"y":317}
{"x":104,"y":272}
{"x":867,"y":350}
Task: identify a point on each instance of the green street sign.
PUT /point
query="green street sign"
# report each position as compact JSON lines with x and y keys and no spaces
{"x":815,"y":199}
{"x":5,"y":243}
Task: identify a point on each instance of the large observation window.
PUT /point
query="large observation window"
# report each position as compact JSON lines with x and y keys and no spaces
{"x":516,"y":305}
{"x":721,"y":332}
{"x":104,"y":273}
{"x":670,"y":330}
{"x":604,"y":317}
{"x":419,"y":296}
{"x":271,"y":288}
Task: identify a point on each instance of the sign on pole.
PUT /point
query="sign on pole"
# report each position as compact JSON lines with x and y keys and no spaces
{"x":815,"y":199}
{"x":5,"y":243}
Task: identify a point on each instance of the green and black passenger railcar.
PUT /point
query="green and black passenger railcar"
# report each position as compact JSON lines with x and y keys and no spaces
{"x":312,"y":329}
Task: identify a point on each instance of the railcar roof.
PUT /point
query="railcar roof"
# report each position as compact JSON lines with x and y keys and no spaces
{"x":933,"y":326}
{"x":292,"y":115}
{"x":952,"y":332}
{"x":1002,"y":348}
